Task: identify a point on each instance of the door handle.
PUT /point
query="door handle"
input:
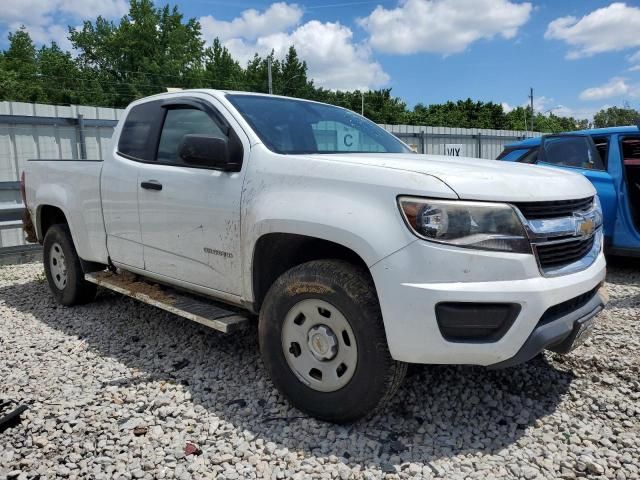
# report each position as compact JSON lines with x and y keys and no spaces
{"x":151,"y":185}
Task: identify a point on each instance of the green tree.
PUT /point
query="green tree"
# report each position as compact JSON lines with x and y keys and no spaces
{"x":463,"y":113}
{"x":256,"y":76}
{"x":19,"y":78}
{"x":149,"y":50}
{"x":293,"y":81}
{"x":615,"y":116}
{"x":62,"y":81}
{"x":221,"y":70}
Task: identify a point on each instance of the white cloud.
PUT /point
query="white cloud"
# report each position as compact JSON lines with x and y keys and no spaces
{"x":82,"y":9}
{"x":25,"y":11}
{"x":252,"y":24}
{"x":541,"y":104}
{"x":442,"y":26}
{"x":506,"y":107}
{"x":634,"y":58}
{"x":335,"y":61}
{"x":547,"y":106}
{"x":577,"y":113}
{"x":606,"y":29}
{"x":40,"y":16}
{"x":44,"y":34}
{"x":615,"y":87}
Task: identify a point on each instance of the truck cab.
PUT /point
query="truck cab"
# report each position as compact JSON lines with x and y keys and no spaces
{"x":610,"y":159}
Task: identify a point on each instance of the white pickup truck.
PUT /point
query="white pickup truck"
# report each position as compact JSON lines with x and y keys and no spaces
{"x":357,"y":255}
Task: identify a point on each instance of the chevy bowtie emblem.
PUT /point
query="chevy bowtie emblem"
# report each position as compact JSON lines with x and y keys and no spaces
{"x":585,"y":227}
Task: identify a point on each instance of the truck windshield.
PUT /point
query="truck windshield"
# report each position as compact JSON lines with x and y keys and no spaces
{"x":291,"y":126}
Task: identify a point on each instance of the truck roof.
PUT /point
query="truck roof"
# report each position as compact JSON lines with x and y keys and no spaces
{"x":216,"y":93}
{"x":532,"y":142}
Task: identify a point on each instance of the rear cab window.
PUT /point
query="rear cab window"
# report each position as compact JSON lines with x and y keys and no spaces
{"x":139,"y":134}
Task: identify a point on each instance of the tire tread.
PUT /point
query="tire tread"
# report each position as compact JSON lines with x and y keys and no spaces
{"x":358,"y":285}
{"x":78,"y":291}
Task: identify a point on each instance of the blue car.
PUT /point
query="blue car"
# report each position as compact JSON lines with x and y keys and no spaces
{"x":610,"y":159}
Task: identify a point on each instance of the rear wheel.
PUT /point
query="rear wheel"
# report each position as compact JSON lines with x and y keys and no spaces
{"x":63,"y":269}
{"x":323,"y":341}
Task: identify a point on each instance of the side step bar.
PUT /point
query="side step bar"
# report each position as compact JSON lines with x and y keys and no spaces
{"x":209,"y":313}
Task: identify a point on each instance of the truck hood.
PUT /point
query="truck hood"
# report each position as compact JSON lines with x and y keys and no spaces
{"x":478,"y":179}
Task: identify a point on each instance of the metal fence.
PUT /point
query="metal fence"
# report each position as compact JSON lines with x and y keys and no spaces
{"x":38,"y":131}
{"x":29,"y":130}
{"x":461,"y":142}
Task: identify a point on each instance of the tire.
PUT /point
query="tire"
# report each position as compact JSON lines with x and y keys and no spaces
{"x":63,"y":269}
{"x":302,"y":354}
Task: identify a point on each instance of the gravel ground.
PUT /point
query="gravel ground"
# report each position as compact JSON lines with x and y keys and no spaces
{"x":118,"y":389}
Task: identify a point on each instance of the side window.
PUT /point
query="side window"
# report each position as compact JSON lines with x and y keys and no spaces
{"x":339,"y":137}
{"x":139,"y":134}
{"x":178,"y":123}
{"x":572,"y":151}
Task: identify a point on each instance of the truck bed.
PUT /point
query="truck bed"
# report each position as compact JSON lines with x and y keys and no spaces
{"x":73,"y":186}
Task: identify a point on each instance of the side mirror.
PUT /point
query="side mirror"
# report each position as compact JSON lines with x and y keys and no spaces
{"x":205,"y":151}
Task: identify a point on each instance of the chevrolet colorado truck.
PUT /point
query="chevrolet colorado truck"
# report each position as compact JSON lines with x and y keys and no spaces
{"x":357,"y":255}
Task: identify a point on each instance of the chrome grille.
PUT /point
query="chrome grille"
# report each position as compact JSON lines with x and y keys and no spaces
{"x":561,"y":253}
{"x":554,"y":209}
{"x":566,"y":235}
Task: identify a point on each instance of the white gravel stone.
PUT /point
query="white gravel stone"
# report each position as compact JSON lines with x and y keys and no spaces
{"x":92,"y":374}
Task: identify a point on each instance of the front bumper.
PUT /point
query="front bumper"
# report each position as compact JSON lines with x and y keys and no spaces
{"x":413,"y":280}
{"x":562,"y":334}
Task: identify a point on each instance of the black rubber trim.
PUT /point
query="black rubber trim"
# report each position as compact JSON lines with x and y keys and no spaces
{"x":557,"y":335}
{"x":475,"y":322}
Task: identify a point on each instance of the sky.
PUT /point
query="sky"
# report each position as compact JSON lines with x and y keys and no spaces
{"x":578,"y":55}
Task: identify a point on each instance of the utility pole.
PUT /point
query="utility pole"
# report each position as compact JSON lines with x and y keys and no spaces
{"x":362,"y":109}
{"x":532,"y":112}
{"x":269,"y":78}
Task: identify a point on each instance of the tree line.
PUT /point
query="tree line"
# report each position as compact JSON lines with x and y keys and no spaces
{"x":152,"y":48}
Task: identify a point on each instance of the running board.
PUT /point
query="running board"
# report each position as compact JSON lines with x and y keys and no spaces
{"x":209,"y":313}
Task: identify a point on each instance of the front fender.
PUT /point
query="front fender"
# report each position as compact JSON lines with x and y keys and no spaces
{"x":353,"y":206}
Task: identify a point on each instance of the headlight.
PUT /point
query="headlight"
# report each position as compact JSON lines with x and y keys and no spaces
{"x":481,"y":225}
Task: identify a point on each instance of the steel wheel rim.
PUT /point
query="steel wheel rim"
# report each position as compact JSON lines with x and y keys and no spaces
{"x":319,"y":345}
{"x":58,"y":266}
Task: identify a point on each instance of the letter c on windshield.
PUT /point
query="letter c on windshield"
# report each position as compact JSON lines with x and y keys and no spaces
{"x":348,"y":140}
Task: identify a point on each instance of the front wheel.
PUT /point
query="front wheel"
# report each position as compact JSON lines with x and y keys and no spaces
{"x":63,"y":269}
{"x":323,"y":342}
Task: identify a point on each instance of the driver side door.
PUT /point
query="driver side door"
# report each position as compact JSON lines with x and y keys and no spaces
{"x":190,"y":215}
